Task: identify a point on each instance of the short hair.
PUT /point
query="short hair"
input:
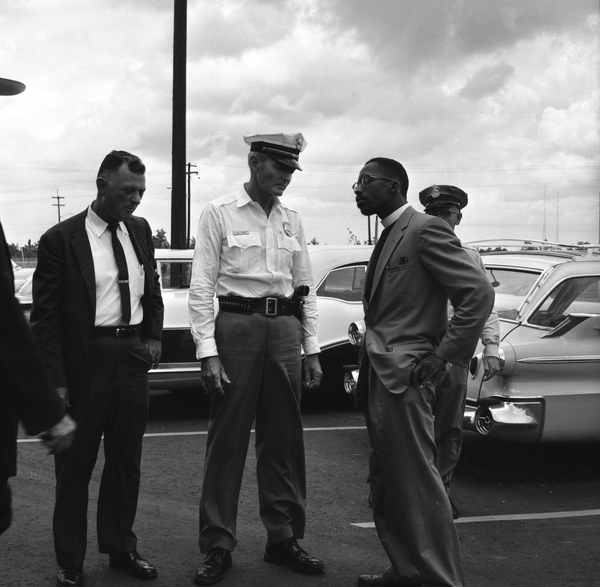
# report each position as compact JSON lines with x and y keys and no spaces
{"x":394,"y":169}
{"x":115,"y":159}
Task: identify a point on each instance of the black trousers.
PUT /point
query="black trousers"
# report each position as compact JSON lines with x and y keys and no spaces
{"x":5,"y":505}
{"x":116,"y":405}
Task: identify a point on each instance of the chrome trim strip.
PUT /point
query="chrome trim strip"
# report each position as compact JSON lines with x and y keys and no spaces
{"x":561,"y":359}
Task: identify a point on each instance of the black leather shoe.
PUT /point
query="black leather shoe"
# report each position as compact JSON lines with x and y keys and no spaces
{"x":455,"y":512}
{"x":212,"y":569}
{"x":289,"y":554}
{"x":131,"y":562}
{"x":70,"y":576}
{"x":386,"y":581}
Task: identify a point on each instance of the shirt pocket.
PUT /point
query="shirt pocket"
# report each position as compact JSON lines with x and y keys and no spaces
{"x":288,"y":246}
{"x":136,"y":281}
{"x":243,"y":252}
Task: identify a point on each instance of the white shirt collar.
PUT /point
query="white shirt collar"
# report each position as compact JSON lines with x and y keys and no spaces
{"x":395,"y":215}
{"x":100,"y":225}
{"x":243,"y":199}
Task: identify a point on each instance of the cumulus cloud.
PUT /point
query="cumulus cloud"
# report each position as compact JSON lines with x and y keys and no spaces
{"x":500,"y":98}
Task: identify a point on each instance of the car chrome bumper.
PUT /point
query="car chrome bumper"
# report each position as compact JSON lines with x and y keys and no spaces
{"x":517,"y":420}
{"x":174,"y":375}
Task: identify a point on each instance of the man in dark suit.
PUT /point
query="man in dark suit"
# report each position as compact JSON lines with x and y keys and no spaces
{"x":25,"y":390}
{"x":97,"y":316}
{"x":416,"y":266}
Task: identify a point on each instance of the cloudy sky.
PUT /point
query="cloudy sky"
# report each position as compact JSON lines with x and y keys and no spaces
{"x":499,"y":97}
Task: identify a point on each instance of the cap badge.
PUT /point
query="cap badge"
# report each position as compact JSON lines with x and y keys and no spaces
{"x":435,"y":191}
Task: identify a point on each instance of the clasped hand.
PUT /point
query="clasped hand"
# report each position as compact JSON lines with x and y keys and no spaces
{"x":426,"y":370}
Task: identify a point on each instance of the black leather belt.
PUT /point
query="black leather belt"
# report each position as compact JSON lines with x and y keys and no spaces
{"x":118,"y":331}
{"x":264,"y":306}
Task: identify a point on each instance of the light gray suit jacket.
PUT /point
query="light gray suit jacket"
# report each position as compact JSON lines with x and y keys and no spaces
{"x":421,"y":266}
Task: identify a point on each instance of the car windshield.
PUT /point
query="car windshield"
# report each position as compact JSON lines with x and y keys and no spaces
{"x":579,"y":295}
{"x":511,"y":287}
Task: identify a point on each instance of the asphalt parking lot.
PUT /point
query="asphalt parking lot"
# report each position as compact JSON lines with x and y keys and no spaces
{"x":530,"y":515}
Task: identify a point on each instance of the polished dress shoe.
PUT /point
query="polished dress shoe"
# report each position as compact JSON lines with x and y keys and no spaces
{"x":289,"y":554}
{"x":386,"y":581}
{"x":131,"y":562}
{"x":212,"y":569}
{"x":70,"y":576}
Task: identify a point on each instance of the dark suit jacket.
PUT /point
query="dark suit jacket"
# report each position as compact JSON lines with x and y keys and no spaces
{"x":422,"y":264}
{"x":64,"y":298}
{"x":25,"y":389}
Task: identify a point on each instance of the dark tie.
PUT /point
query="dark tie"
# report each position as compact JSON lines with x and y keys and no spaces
{"x":123,"y":274}
{"x":374,"y":260}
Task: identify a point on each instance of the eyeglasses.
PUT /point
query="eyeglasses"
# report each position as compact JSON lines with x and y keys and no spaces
{"x":366,"y":179}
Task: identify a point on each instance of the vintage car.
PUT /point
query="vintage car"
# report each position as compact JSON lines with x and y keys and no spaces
{"x":548,"y":301}
{"x":21,"y":274}
{"x":338,"y":272}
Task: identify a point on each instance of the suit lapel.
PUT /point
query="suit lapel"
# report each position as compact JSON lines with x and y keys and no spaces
{"x":83,"y":253}
{"x":135,"y":241}
{"x":390,"y":245}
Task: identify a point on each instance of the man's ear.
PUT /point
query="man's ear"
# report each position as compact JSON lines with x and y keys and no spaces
{"x":253,"y":161}
{"x":458,"y":218}
{"x":100,"y":183}
{"x":395,"y":186}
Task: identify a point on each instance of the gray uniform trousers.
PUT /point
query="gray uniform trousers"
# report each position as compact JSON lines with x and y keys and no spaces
{"x":449,"y":408}
{"x":261,"y":357}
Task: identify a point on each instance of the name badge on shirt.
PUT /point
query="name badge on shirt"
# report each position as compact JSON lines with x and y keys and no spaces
{"x":235,"y":232}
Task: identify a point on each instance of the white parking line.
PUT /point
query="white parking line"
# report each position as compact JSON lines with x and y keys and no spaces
{"x":509,"y":517}
{"x":204,"y":432}
{"x":465,"y":520}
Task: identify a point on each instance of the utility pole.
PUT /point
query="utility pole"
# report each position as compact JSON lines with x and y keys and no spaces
{"x":189,"y":174}
{"x":58,"y":204}
{"x":179,"y":106}
{"x":544,"y":229}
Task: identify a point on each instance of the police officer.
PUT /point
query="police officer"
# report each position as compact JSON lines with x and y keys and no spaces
{"x":446,"y":202}
{"x":251,"y":253}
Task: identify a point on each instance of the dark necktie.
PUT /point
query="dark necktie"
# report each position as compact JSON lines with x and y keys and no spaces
{"x":123,"y":274}
{"x":375,"y":259}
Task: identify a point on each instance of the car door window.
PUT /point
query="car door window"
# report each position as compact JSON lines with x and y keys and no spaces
{"x":175,"y":274}
{"x":344,"y":283}
{"x":577,"y":295}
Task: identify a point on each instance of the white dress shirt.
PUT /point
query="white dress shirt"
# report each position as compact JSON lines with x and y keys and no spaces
{"x":243,"y":252}
{"x":108,"y":297}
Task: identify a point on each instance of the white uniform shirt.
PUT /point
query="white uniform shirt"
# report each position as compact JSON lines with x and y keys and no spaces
{"x":108,"y":297}
{"x":242,"y":252}
{"x":490,"y":335}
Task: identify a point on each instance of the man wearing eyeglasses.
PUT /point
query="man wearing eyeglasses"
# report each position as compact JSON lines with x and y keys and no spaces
{"x":417,"y":264}
{"x":446,"y":202}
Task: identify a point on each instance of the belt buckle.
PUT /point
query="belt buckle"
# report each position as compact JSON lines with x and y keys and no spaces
{"x":271,"y":307}
{"x":121,"y":331}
